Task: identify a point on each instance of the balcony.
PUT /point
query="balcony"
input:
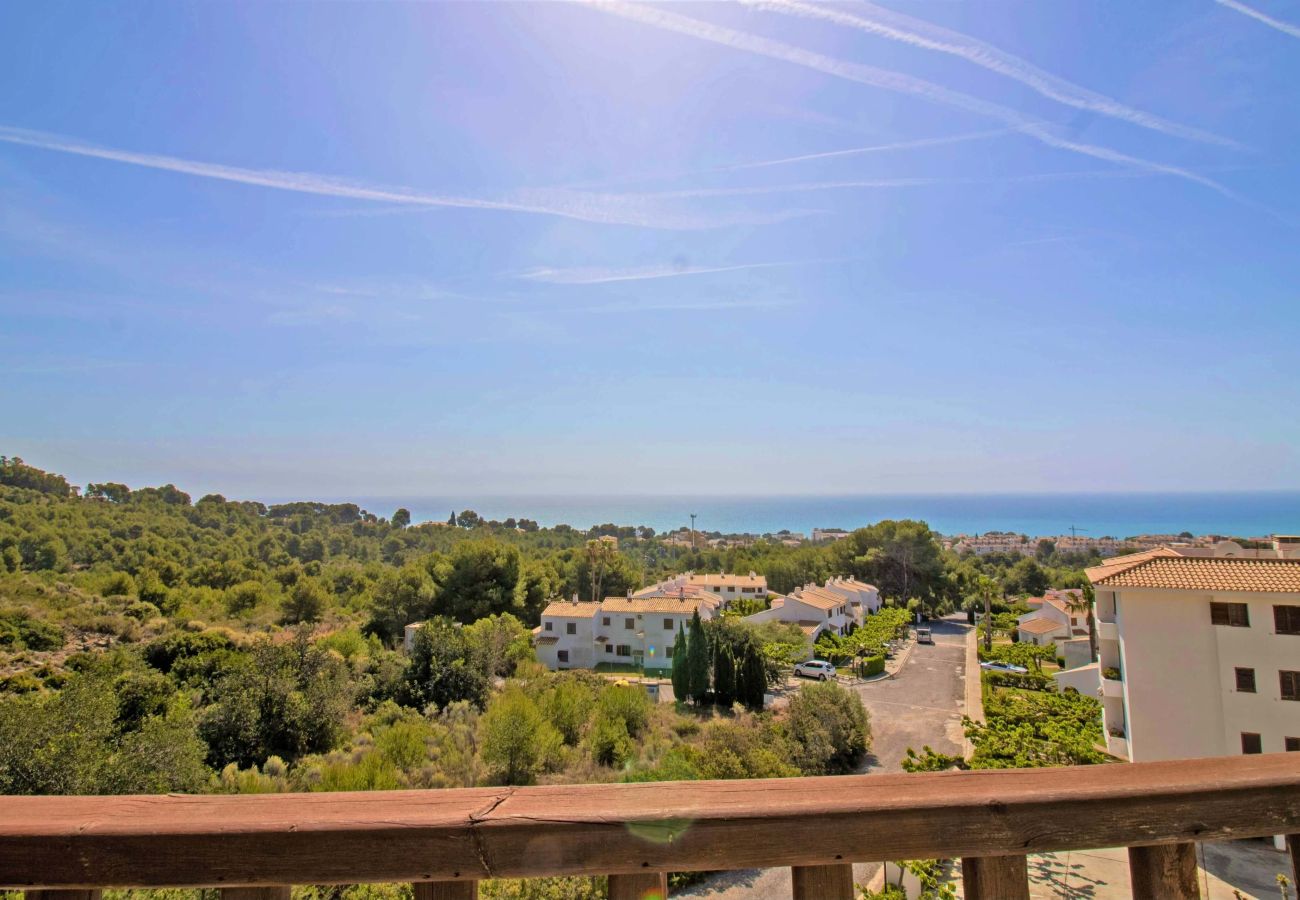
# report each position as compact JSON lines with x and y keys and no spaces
{"x":1107,"y":631}
{"x":444,"y":841}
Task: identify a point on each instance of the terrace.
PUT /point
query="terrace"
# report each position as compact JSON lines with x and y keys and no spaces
{"x":443,"y":842}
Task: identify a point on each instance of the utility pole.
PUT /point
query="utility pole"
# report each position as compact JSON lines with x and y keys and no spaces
{"x":692,"y":532}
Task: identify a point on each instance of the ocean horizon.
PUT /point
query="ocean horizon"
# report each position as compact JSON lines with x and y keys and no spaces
{"x":1120,"y":515}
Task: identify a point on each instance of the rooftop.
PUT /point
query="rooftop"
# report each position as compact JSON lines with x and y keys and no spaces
{"x":1040,"y":625}
{"x":1173,"y":572}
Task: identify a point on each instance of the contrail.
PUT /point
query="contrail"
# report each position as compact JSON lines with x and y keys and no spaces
{"x":866,"y":16}
{"x":886,"y":79}
{"x":1284,"y":27}
{"x":608,"y":276}
{"x":876,"y":148}
{"x":611,"y":209}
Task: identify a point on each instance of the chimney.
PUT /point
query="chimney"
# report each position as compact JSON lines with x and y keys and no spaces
{"x":575,"y":597}
{"x":629,"y":593}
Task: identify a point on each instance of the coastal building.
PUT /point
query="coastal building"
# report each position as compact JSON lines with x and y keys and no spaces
{"x":817,"y":610}
{"x":828,"y":534}
{"x":1051,"y":619}
{"x":724,"y":586}
{"x":1200,"y":650}
{"x":629,"y":631}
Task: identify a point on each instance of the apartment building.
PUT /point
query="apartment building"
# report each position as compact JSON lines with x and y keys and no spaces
{"x":635,"y":631}
{"x":724,"y":587}
{"x":1200,"y":650}
{"x":1051,"y":619}
{"x":816,"y":610}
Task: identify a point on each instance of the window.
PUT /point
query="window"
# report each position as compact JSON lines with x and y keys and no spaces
{"x":609,"y":648}
{"x":668,"y":624}
{"x":1233,"y":614}
{"x":623,"y":650}
{"x":570,"y":627}
{"x":1287,"y":619}
{"x":604,"y":620}
{"x":1251,"y":743}
{"x":1290,"y":685}
{"x":562,"y":656}
{"x":1246,"y":680}
{"x":1293,"y":744}
{"x":668,"y":652}
{"x":550,"y":626}
{"x":629,"y":624}
{"x":717,"y":590}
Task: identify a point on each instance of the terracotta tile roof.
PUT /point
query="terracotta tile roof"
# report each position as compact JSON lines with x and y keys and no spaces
{"x":671,"y":604}
{"x":567,"y":609}
{"x":813,"y":597}
{"x":1199,"y":573}
{"x":808,"y":626}
{"x":860,"y":585}
{"x":1041,"y":625}
{"x":548,"y":639}
{"x":1116,"y":564}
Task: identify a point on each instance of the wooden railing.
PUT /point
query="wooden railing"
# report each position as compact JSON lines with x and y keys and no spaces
{"x":444,"y":841}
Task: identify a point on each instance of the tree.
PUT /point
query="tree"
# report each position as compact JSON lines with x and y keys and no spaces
{"x":901,"y":557}
{"x":483,"y":578}
{"x":599,"y":553}
{"x":399,"y":598}
{"x":752,"y":683}
{"x":697,"y":661}
{"x":829,"y":726}
{"x":305,"y":603}
{"x":724,"y":675}
{"x":986,"y":587}
{"x":402,"y":517}
{"x":439,"y":671}
{"x":516,"y":740}
{"x":1082,"y":604}
{"x":496,"y":644}
{"x":680,"y":678}
{"x":451,"y":520}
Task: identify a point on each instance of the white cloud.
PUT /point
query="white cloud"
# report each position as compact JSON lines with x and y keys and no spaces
{"x":867,"y":17}
{"x":612,"y":209}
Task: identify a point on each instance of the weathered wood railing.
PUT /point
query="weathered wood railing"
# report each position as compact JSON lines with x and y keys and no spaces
{"x":64,"y":848}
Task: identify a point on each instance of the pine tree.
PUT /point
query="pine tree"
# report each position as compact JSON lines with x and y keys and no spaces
{"x":681,"y":682}
{"x":452,"y":521}
{"x":724,"y":675}
{"x":697,"y":661}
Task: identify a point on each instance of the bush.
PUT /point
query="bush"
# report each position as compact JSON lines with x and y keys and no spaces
{"x":20,"y":631}
{"x":830,"y":728}
{"x":516,"y":740}
{"x":871,"y":665}
{"x":165,"y":652}
{"x":626,"y":703}
{"x":1028,"y":681}
{"x":610,"y":743}
{"x":1112,"y":674}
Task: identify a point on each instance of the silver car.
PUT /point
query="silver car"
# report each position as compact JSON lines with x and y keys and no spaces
{"x":815,"y":668}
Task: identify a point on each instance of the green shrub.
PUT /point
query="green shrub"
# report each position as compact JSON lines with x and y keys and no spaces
{"x":871,"y":665}
{"x":830,"y":728}
{"x":1028,"y":681}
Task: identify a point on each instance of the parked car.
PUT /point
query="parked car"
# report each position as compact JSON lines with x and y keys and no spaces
{"x":1003,"y":667}
{"x":923,"y":635}
{"x":815,"y":668}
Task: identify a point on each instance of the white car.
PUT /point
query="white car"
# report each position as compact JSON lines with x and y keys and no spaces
{"x":815,"y":668}
{"x":1003,"y":667}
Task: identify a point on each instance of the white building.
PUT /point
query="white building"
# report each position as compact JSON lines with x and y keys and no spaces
{"x":1200,"y":651}
{"x":635,"y":631}
{"x":1051,"y":620}
{"x":814,"y":609}
{"x":864,"y":599}
{"x":724,"y":587}
{"x":829,"y":534}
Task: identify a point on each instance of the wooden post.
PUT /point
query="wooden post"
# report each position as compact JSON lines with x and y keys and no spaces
{"x":445,"y":890}
{"x":63,"y":895}
{"x":256,"y":893}
{"x":640,"y":886}
{"x":834,"y":882}
{"x":1165,"y":871}
{"x":996,"y":878}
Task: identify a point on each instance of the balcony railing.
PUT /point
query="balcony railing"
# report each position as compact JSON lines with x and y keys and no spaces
{"x":444,"y":841}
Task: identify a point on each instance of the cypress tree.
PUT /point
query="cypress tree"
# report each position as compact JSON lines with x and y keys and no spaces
{"x":754,"y":678}
{"x":681,"y":682}
{"x":724,"y":675}
{"x":697,"y":661}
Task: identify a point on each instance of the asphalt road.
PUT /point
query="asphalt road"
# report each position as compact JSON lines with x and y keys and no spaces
{"x":921,"y":705}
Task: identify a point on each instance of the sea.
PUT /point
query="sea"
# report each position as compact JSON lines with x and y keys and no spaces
{"x":1119,"y":515}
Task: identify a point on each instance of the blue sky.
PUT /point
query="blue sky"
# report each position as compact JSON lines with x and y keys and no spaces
{"x":331,"y":249}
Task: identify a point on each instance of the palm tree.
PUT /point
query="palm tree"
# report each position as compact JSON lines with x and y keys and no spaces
{"x":985,"y":587}
{"x":1081,"y":604}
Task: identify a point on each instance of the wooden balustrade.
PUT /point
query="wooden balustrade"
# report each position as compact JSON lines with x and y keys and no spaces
{"x":445,"y":841}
